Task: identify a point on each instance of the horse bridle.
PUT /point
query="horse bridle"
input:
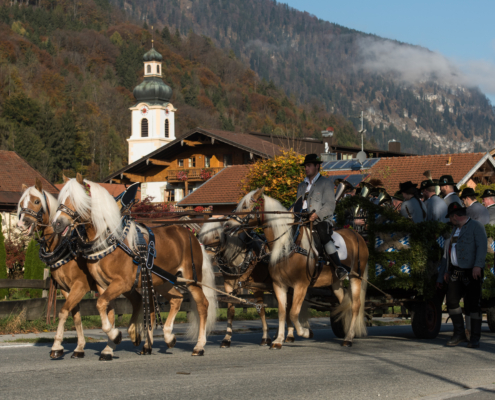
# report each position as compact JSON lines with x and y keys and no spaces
{"x":38,"y":216}
{"x":245,"y":220}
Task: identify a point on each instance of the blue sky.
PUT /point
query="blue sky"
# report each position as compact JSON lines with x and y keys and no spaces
{"x":462,"y":31}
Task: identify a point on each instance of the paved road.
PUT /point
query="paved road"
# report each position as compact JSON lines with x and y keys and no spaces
{"x":389,"y":364}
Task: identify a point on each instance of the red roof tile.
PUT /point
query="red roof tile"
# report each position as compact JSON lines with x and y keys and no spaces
{"x":395,"y":170}
{"x":222,"y":188}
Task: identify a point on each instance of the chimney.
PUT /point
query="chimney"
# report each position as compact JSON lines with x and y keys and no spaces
{"x":394,"y":146}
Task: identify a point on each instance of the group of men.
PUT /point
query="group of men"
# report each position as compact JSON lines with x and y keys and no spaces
{"x":463,"y":261}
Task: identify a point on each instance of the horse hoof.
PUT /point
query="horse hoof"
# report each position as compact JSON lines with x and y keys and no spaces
{"x":54,"y":354}
{"x":198,"y":353}
{"x":276,"y":346}
{"x":145,"y":351}
{"x":266,"y":342}
{"x":171,"y":345}
{"x":311,"y":334}
{"x":118,"y":339}
{"x":346,"y":343}
{"x":225,"y":344}
{"x":106,"y":357}
{"x":77,"y":354}
{"x":290,"y":339}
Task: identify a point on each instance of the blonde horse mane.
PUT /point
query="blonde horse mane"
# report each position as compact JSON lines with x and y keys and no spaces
{"x":98,"y":206}
{"x":209,"y":231}
{"x":32,"y":191}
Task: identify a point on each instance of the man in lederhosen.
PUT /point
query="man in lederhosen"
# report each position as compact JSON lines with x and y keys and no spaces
{"x":462,"y":268}
{"x":446,"y":183}
{"x":319,"y":198}
{"x":412,"y":207}
{"x":488,"y":197}
{"x":474,"y":209}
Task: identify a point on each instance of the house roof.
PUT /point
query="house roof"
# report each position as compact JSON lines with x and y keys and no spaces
{"x":256,"y":145}
{"x":223,"y":188}
{"x":113,"y":188}
{"x":393,"y":171}
{"x":15,"y":172}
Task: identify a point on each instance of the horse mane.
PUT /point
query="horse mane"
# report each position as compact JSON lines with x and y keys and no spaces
{"x":209,"y":231}
{"x":282,"y":231}
{"x":32,"y":191}
{"x":98,"y":206}
{"x":245,"y":201}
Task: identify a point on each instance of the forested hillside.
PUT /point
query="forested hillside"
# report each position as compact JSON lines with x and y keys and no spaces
{"x":314,"y":59}
{"x":67,"y":70}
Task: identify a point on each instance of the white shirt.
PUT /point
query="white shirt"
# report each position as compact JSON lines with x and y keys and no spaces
{"x":308,"y":188}
{"x":453,"y":252}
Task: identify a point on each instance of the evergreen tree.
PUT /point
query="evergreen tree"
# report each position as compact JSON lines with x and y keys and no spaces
{"x":33,"y":267}
{"x":166,"y":34}
{"x":3,"y":263}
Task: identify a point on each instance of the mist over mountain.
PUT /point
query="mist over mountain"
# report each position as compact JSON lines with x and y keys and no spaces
{"x":430,"y":103}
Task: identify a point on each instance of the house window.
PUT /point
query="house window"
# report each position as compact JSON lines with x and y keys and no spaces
{"x":157,"y":69}
{"x":180,"y":162}
{"x":207,"y":161}
{"x":144,"y":127}
{"x":169,"y":195}
{"x":167,"y":128}
{"x":148,"y":69}
{"x":192,"y":162}
{"x":227,"y":160}
{"x":246,"y":158}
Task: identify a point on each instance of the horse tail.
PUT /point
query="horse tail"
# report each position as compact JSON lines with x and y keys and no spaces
{"x":208,"y":278}
{"x":343,"y":312}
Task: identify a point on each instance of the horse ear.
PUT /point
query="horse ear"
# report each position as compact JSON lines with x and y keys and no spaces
{"x":79,"y":179}
{"x":24,"y":187}
{"x":38,"y":185}
{"x":65,"y":179}
{"x":258,"y":193}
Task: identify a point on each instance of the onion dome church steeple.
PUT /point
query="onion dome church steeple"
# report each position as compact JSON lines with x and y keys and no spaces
{"x":153,"y":122}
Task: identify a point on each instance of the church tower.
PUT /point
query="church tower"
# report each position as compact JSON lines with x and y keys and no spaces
{"x":153,"y":122}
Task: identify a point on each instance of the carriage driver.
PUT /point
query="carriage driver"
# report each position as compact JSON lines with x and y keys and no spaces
{"x":318,"y":195}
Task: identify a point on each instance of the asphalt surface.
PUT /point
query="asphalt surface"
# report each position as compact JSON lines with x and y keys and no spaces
{"x":390,"y":363}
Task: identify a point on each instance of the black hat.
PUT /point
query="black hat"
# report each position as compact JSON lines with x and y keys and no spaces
{"x":467,"y":193}
{"x":488,"y":193}
{"x":398,"y":195}
{"x":455,"y":208}
{"x":404,"y":187}
{"x":312,"y":159}
{"x":428,"y":183}
{"x":446,"y":180}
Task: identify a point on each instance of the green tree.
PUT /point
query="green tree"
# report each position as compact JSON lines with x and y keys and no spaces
{"x":33,"y":267}
{"x":166,"y":34}
{"x":3,"y":263}
{"x":116,"y":39}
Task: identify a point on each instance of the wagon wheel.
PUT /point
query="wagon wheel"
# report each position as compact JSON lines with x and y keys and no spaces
{"x":426,"y":319}
{"x":337,"y":328}
{"x":490,"y":316}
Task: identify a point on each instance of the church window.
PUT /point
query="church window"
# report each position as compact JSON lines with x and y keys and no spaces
{"x":167,"y":128}
{"x":157,"y":69}
{"x":148,"y":69}
{"x":144,"y":127}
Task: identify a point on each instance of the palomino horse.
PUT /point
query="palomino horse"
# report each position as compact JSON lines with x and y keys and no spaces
{"x":87,"y":203}
{"x":36,"y":211}
{"x":290,"y":269}
{"x":233,"y":251}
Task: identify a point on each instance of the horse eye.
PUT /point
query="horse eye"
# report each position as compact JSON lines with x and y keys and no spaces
{"x":36,"y":202}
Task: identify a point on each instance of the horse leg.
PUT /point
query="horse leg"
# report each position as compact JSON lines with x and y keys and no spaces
{"x":202,"y":306}
{"x":290,"y":328}
{"x":281,"y":294}
{"x":81,"y":341}
{"x":265,"y":339}
{"x":175,"y":299}
{"x":135,"y":329}
{"x":230,"y":317}
{"x":355,"y":292}
{"x":72,"y":299}
{"x":297,"y":301}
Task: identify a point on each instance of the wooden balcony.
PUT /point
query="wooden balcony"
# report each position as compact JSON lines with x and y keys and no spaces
{"x":193,"y":174}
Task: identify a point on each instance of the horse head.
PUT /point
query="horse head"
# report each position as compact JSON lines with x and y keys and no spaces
{"x":249,"y":204}
{"x":33,"y":209}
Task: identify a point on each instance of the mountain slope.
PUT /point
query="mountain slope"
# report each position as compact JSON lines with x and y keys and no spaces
{"x":344,"y":69}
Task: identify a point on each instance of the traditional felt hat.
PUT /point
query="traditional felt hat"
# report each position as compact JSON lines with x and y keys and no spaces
{"x":455,"y":208}
{"x":488,"y":193}
{"x":312,"y":159}
{"x":428,"y":183}
{"x":467,"y":192}
{"x":398,"y":195}
{"x":403,"y":187}
{"x":446,"y":180}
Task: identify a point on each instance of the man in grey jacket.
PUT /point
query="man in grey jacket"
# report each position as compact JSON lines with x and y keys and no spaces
{"x":462,"y":268}
{"x":446,"y":183}
{"x":412,"y":207}
{"x":474,"y":209}
{"x":318,"y":197}
{"x":435,"y":206}
{"x":488,"y":197}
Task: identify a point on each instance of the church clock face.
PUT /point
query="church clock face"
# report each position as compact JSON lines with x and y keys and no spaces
{"x":145,"y":110}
